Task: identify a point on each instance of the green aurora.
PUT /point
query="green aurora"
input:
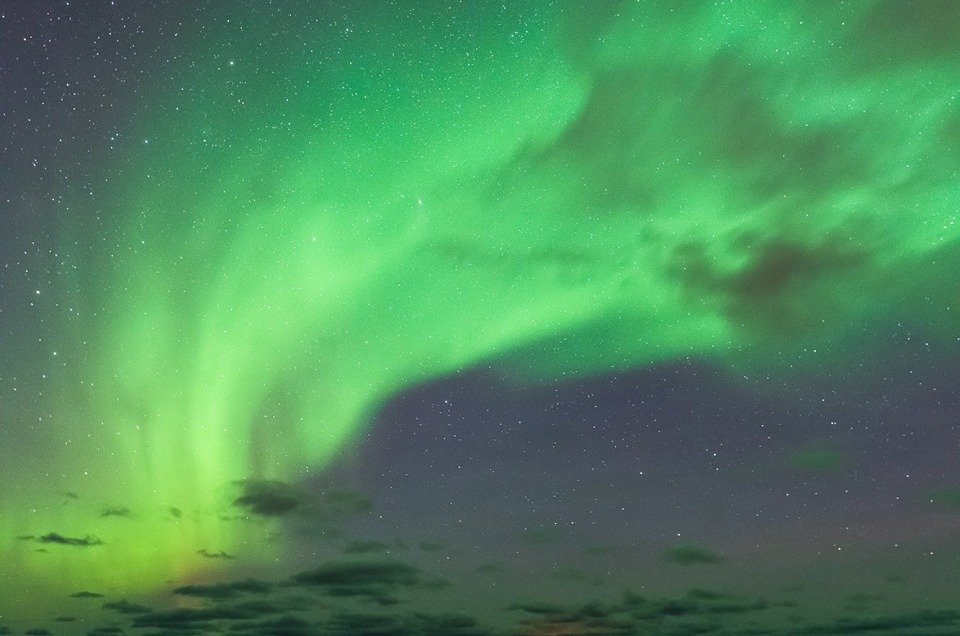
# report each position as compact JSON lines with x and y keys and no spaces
{"x":289,"y":238}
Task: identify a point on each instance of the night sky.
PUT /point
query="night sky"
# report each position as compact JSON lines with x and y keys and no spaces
{"x":445,"y":318}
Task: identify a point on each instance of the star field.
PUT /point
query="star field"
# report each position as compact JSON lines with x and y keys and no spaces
{"x":479,"y":318}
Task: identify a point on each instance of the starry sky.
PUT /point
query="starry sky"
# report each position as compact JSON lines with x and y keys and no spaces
{"x":479,"y":318}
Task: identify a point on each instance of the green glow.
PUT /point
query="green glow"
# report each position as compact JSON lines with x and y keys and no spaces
{"x":288,"y":245}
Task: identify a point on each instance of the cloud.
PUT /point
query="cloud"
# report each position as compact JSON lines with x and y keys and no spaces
{"x":85,"y":594}
{"x":490,"y":568}
{"x":443,"y":624}
{"x":408,"y":624}
{"x":592,"y":618}
{"x":125,"y":607}
{"x":702,"y":601}
{"x":283,"y":626}
{"x":698,"y":611}
{"x":538,"y":608}
{"x":360,"y":573}
{"x":215,"y":555}
{"x":106,"y":630}
{"x":188,"y":619}
{"x":116,"y":511}
{"x":894,"y":624}
{"x":433,"y":545}
{"x":373,"y":580}
{"x":273,"y":605}
{"x":364,"y":624}
{"x":340,"y":503}
{"x":55,"y":538}
{"x":253,"y":607}
{"x":692,"y":554}
{"x":220,"y":591}
{"x":269,"y":498}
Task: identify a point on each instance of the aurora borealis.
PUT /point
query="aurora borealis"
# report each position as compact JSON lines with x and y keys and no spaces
{"x":480,"y":317}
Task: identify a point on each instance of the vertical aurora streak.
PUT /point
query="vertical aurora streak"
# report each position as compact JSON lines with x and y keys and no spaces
{"x":290,"y":238}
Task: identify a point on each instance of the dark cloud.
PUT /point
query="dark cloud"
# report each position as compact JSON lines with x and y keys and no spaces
{"x":433,"y":545}
{"x":58,"y":539}
{"x":176,"y":513}
{"x":410,"y":624}
{"x":692,"y":554}
{"x":702,"y":601}
{"x":275,"y":609}
{"x":698,"y":611}
{"x":269,"y":498}
{"x":452,"y":624}
{"x":538,"y":608}
{"x":221,"y":591}
{"x":373,"y":580}
{"x":116,"y":511}
{"x":265,"y":607}
{"x":583,"y":627}
{"x":361,"y":546}
{"x":635,"y":613}
{"x":444,"y":625}
{"x":188,"y":619}
{"x":38,"y":631}
{"x":360,"y":573}
{"x":364,"y":624}
{"x":718,"y":115}
{"x":490,"y":568}
{"x":282,"y":626}
{"x":85,"y":594}
{"x":774,"y":289}
{"x":125,"y":607}
{"x":215,"y":555}
{"x":892,"y":625}
{"x":338,"y":502}
{"x":592,"y":618}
